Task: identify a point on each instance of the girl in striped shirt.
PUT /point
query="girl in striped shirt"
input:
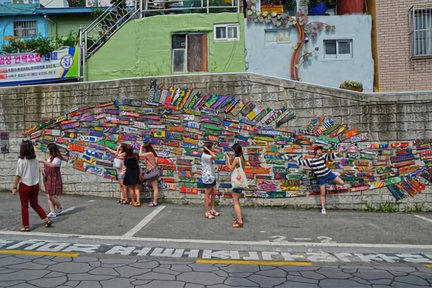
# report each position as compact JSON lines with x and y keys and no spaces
{"x":324,"y":175}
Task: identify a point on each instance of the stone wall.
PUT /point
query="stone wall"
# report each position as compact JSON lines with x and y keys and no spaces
{"x":387,"y":117}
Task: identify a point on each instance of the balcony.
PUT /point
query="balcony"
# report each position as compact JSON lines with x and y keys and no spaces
{"x":161,"y":7}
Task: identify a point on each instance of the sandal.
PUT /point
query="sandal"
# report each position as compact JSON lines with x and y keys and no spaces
{"x":209,"y":215}
{"x":237,"y":224}
{"x":125,"y":202}
{"x":137,"y":204}
{"x":152,"y":204}
{"x":25,"y":229}
{"x":214,"y":212}
{"x":48,"y":223}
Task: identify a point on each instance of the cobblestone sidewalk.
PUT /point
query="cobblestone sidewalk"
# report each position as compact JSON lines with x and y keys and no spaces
{"x":26,"y":271}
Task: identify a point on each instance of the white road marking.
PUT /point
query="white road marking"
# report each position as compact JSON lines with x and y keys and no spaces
{"x":68,"y":209}
{"x":143,"y":222}
{"x":424,"y":218}
{"x":202,"y":241}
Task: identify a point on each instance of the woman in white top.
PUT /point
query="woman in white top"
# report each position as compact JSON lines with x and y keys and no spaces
{"x":27,"y":176}
{"x":119,"y":155}
{"x":209,"y":179}
{"x":53,"y":180}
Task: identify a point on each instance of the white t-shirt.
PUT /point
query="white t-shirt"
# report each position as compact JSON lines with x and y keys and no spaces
{"x":28,"y":170}
{"x":56,"y":161}
{"x":208,"y":167}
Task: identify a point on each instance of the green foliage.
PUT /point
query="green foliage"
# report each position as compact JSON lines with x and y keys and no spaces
{"x":352,"y":84}
{"x":77,"y":3}
{"x":386,"y":207}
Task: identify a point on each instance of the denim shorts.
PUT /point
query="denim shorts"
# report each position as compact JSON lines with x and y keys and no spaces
{"x":237,"y":190}
{"x":326,"y":179}
{"x":120,"y":176}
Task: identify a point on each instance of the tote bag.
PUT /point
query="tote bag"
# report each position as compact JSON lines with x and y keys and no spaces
{"x":238,"y":177}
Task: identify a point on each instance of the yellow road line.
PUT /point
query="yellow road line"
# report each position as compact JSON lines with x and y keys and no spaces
{"x":254,"y":262}
{"x":428,"y":266}
{"x":40,"y":253}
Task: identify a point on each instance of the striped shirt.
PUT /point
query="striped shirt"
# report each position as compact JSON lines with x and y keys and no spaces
{"x":318,"y":165}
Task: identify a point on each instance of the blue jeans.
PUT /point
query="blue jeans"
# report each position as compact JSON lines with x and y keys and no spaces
{"x":326,"y":179}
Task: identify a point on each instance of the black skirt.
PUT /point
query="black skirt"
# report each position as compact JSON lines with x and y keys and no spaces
{"x":132,"y":171}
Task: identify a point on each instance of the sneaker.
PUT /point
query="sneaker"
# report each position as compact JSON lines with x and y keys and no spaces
{"x":59,"y":211}
{"x":323,"y":211}
{"x":51,"y":215}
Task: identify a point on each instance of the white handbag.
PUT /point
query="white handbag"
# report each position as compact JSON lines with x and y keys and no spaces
{"x":238,"y":177}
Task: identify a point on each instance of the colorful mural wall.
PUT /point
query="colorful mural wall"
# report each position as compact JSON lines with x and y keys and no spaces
{"x":178,"y":119}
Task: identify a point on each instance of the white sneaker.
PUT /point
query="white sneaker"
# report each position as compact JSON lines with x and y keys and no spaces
{"x":58,"y":211}
{"x":323,"y":211}
{"x":51,"y":215}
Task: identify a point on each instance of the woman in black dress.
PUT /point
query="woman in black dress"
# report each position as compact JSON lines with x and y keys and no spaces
{"x":132,"y":175}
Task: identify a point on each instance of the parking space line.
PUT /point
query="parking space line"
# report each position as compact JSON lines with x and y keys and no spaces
{"x":253,"y":262}
{"x":143,"y":222}
{"x":424,"y":218}
{"x":40,"y":253}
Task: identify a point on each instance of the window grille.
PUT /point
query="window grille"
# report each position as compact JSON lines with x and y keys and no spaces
{"x":421,"y":31}
{"x":25,"y":29}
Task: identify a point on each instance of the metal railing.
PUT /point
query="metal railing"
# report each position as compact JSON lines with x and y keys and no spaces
{"x":102,"y":29}
{"x":155,"y":7}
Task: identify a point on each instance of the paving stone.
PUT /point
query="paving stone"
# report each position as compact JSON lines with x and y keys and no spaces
{"x":241,"y":268}
{"x":349,"y":270}
{"x":7,"y":271}
{"x":145,"y":264}
{"x":85,"y":259}
{"x":298,"y":268}
{"x":406,"y":269}
{"x":72,"y":283}
{"x":424,"y":270}
{"x":381,"y":281}
{"x":28,"y":265}
{"x":181,"y":268}
{"x":166,"y":271}
{"x":273,"y":273}
{"x":334,"y":273}
{"x":373,"y":274}
{"x":10,"y":283}
{"x":381,"y":286}
{"x":412,"y":280}
{"x":264,"y":281}
{"x":360,"y":280}
{"x":200,"y":278}
{"x":62,"y":259}
{"x":244,"y":275}
{"x":203,"y":267}
{"x":298,"y":285}
{"x":24,"y":275}
{"x":140,"y":282}
{"x":104,"y":271}
{"x":88,"y":277}
{"x":127,"y":271}
{"x":302,"y":279}
{"x":225,"y":274}
{"x":166,"y":266}
{"x":165,"y":284}
{"x":396,"y":284}
{"x":155,"y":276}
{"x":54,"y":275}
{"x":191,"y":285}
{"x":240,"y":282}
{"x":71,"y":267}
{"x":117,"y":283}
{"x":11,"y":260}
{"x":118,"y":260}
{"x":331,"y":283}
{"x":23,"y":285}
{"x":49,"y":282}
{"x":44,"y":261}
{"x":310,"y":275}
{"x":89,"y":284}
{"x":95,"y":264}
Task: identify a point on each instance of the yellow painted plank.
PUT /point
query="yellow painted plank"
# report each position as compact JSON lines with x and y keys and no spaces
{"x":428,"y":266}
{"x":254,"y":262}
{"x":40,"y":253}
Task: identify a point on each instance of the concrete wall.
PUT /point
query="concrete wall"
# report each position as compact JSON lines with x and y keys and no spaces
{"x":143,"y":46}
{"x":64,"y":24}
{"x":387,"y":117}
{"x":274,"y":59}
{"x":396,"y":70}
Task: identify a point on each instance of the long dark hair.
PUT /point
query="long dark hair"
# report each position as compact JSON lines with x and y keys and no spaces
{"x":54,"y":151}
{"x":26,"y":150}
{"x":123,"y":147}
{"x":129,"y":151}
{"x":238,"y":151}
{"x":209,"y":145}
{"x":149,"y":148}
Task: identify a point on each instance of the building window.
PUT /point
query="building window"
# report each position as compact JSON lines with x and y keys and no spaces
{"x":338,"y":49}
{"x":276,"y":35}
{"x":25,"y":29}
{"x":189,"y":52}
{"x":421,"y":31}
{"x":227,"y":32}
